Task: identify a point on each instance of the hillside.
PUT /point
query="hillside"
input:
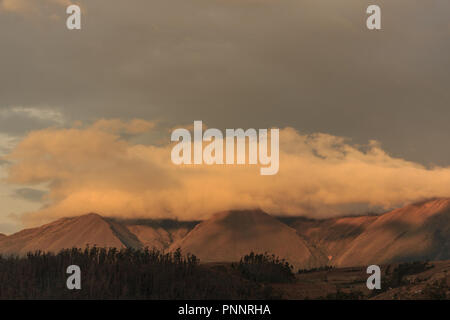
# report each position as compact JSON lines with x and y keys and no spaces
{"x":90,"y":229}
{"x":158,"y":233}
{"x":419,"y":231}
{"x":228,"y":236}
{"x":331,"y":237}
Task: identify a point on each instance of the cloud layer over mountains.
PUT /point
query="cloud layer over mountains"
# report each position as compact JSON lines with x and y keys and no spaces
{"x":104,"y":168}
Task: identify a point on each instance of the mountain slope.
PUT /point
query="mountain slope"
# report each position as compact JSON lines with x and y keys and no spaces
{"x":331,"y":237}
{"x":2,"y":235}
{"x":160,"y":233}
{"x":228,"y":236}
{"x":150,"y":237}
{"x":419,"y":231}
{"x":90,"y":229}
{"x":157,"y":237}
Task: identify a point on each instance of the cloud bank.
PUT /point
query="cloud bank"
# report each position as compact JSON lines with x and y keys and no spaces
{"x":97,"y":168}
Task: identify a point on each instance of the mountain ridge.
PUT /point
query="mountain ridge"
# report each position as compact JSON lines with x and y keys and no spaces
{"x":419,"y":231}
{"x":89,"y":229}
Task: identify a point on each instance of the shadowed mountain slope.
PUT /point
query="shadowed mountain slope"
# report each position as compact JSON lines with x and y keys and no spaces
{"x":331,"y":237}
{"x":158,"y":233}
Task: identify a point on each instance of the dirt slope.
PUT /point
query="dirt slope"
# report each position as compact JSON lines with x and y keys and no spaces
{"x":228,"y":236}
{"x":419,"y":231}
{"x":80,"y":231}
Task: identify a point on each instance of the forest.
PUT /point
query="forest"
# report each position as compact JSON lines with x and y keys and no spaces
{"x":110,"y":273}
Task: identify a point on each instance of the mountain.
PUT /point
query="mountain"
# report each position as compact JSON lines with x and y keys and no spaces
{"x":2,"y":235}
{"x":157,"y":238}
{"x":228,"y":236}
{"x":159,"y":234}
{"x":90,"y":229}
{"x":419,"y":231}
{"x":331,"y":237}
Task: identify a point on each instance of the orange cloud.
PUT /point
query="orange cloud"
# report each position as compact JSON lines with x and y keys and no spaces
{"x":94,"y":169}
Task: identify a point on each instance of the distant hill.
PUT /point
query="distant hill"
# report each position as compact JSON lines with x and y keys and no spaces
{"x":228,"y":236}
{"x":420,"y":231}
{"x":90,"y":229}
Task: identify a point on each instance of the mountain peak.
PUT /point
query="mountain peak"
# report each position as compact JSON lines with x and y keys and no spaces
{"x":91,"y":215}
{"x":241,"y":218}
{"x":90,"y":229}
{"x":435,"y":204}
{"x":417,"y":213}
{"x":230,"y":235}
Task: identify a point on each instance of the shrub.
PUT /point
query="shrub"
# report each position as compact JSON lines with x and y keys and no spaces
{"x":265,"y":268}
{"x":323,"y":268}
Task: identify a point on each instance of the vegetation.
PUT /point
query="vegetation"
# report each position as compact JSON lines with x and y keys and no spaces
{"x":110,"y":273}
{"x":265,"y":268}
{"x":324,"y":268}
{"x":397,"y":277}
{"x":119,"y":274}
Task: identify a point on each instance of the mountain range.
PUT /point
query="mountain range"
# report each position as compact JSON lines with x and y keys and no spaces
{"x":420,"y":231}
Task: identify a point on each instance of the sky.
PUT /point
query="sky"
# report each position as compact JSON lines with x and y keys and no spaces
{"x":86,"y":115}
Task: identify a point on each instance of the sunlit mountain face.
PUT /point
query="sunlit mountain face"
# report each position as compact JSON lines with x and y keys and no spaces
{"x":417,"y":232}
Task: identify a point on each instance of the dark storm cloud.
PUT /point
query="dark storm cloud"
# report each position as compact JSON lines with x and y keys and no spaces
{"x":249,"y":63}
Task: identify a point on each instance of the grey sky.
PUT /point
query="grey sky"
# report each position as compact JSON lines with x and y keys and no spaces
{"x":308,"y":64}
